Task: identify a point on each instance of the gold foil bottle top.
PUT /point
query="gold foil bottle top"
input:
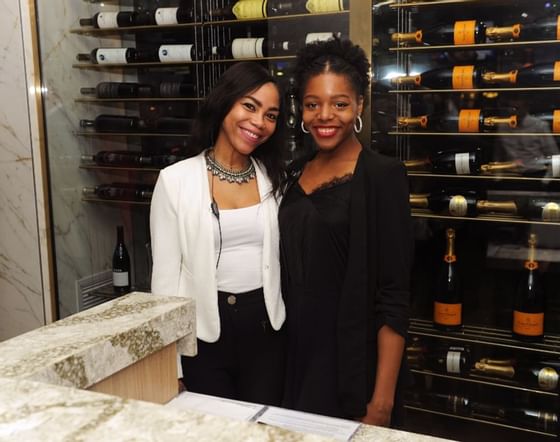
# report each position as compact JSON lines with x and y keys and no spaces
{"x":498,"y":370}
{"x":405,"y":80}
{"x":497,"y":167}
{"x":508,"y":207}
{"x":418,"y":201}
{"x":417,"y":164}
{"x":510,"y":121}
{"x":450,"y":252}
{"x":414,"y":122}
{"x":504,"y":33}
{"x":407,"y":37}
{"x":496,"y":77}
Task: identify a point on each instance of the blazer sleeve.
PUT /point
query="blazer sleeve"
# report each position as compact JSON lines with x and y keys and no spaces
{"x":164,"y":231}
{"x":394,"y":254}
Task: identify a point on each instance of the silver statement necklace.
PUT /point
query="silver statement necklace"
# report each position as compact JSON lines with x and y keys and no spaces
{"x":226,"y":174}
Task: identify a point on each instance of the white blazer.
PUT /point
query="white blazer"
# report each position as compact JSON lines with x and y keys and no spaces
{"x":184,"y":259}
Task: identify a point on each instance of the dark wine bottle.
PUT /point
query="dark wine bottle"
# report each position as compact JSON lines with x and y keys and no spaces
{"x":108,"y":20}
{"x":456,"y":77}
{"x":110,"y":89}
{"x":175,"y":53}
{"x":109,"y":56}
{"x":114,"y":158}
{"x":528,"y":310}
{"x":542,"y":375}
{"x":543,"y":209}
{"x":452,"y":360}
{"x":120,"y":192}
{"x":173,"y":124}
{"x":448,"y":302}
{"x":121,"y":265}
{"x":114,"y":123}
{"x":463,"y":32}
{"x":450,"y":162}
{"x":461,"y":203}
{"x":545,"y":28}
{"x":163,"y":160}
{"x":552,"y":118}
{"x":450,"y":403}
{"x":542,"y":74}
{"x":466,"y":121}
{"x":171,"y":89}
{"x":174,"y":16}
{"x":525,"y":417}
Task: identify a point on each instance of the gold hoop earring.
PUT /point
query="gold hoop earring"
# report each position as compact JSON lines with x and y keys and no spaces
{"x":358,"y":127}
{"x":303,"y":129}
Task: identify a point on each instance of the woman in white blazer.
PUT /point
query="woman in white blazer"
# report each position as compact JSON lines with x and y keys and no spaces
{"x":214,"y":233}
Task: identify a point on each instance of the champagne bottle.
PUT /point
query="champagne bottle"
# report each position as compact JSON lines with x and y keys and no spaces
{"x":121,"y":265}
{"x":541,"y":74}
{"x":120,"y":192}
{"x":462,"y":203}
{"x":114,"y":158}
{"x":110,"y":56}
{"x":525,"y":417}
{"x":545,"y":28}
{"x":250,"y":9}
{"x":528,"y":310}
{"x":456,"y":77}
{"x":170,"y":89}
{"x":463,"y":32}
{"x":108,"y":20}
{"x":322,"y":6}
{"x":174,"y":16}
{"x":450,"y":162}
{"x":543,"y":209}
{"x":448,"y":302}
{"x":452,"y":360}
{"x":542,"y":375}
{"x":114,"y":123}
{"x":450,"y":403}
{"x":110,"y":89}
{"x":466,"y":121}
{"x":552,"y":118}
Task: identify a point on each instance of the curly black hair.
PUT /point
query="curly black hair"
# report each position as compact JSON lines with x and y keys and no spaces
{"x":339,"y":56}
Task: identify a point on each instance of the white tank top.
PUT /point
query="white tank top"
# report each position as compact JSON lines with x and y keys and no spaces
{"x":240,"y":266}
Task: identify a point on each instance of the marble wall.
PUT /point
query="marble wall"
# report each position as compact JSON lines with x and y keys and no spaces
{"x":24,"y":265}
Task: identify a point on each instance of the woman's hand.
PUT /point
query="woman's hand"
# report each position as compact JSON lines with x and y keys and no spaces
{"x":378,"y":413}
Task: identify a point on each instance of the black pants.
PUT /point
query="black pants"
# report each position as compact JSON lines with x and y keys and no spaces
{"x":247,"y":361}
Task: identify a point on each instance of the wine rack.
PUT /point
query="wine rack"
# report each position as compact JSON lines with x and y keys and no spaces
{"x":491,"y":247}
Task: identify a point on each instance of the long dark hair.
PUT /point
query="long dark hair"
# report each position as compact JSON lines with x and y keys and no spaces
{"x":239,"y":80}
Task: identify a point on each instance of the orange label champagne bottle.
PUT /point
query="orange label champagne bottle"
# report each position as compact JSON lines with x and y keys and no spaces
{"x":465,"y":121}
{"x":448,"y":302}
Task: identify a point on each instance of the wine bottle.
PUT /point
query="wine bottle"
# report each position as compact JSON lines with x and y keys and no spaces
{"x":110,"y":56}
{"x":120,"y":191}
{"x":463,"y":32}
{"x":501,"y":371}
{"x":174,"y":16}
{"x":542,"y":209}
{"x":173,"y":124}
{"x":466,"y":121}
{"x":322,"y":6}
{"x":171,"y":89}
{"x":451,"y":403}
{"x":448,"y":302}
{"x":114,"y":158}
{"x":293,"y":119}
{"x":174,"y":53}
{"x":163,"y":160}
{"x":541,"y":74}
{"x":528,"y":310}
{"x":121,"y":265}
{"x":552,"y":118}
{"x":452,"y":360}
{"x":250,"y":9}
{"x":450,"y":162}
{"x":463,"y":203}
{"x":114,"y":123}
{"x":110,"y":89}
{"x":545,"y":28}
{"x":108,"y":20}
{"x":525,"y":417}
{"x":456,"y":77}
{"x":541,"y":375}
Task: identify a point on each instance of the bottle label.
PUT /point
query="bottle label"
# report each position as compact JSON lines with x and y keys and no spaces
{"x":250,"y":9}
{"x":120,"y":279}
{"x":558,"y":28}
{"x":463,"y":77}
{"x":469,"y":120}
{"x":556,"y":74}
{"x":463,"y":32}
{"x":462,"y":164}
{"x":111,"y":55}
{"x":548,"y":378}
{"x":107,"y":20}
{"x":555,"y":160}
{"x":174,"y":53}
{"x":453,"y":362}
{"x":247,"y":48}
{"x":551,"y":212}
{"x":318,"y":36}
{"x":166,"y":16}
{"x":528,"y":324}
{"x":318,"y":6}
{"x":556,"y":121}
{"x":447,"y":314}
{"x":458,"y":205}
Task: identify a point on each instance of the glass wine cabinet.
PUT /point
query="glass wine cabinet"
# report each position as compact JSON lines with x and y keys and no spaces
{"x":464,"y":92}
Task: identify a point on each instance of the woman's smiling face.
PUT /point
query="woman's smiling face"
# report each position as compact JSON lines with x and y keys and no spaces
{"x":330,"y":108}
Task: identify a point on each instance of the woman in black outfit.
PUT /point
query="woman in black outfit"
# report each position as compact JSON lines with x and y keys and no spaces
{"x":345,"y":238}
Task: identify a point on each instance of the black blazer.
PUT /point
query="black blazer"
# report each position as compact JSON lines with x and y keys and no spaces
{"x":376,"y":285}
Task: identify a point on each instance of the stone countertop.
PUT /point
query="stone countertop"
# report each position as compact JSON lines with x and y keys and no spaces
{"x":90,"y":346}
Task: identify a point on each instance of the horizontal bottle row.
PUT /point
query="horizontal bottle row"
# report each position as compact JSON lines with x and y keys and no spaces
{"x":472,"y":76}
{"x":469,"y":203}
{"x":243,"y":9}
{"x":120,"y":192}
{"x":238,"y":48}
{"x":470,"y":32}
{"x":458,"y":360}
{"x":165,"y":89}
{"x":129,"y":124}
{"x":479,"y":120}
{"x":540,"y":420}
{"x":127,"y":158}
{"x":473,"y":162}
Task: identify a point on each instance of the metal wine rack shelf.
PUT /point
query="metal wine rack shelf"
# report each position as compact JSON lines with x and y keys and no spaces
{"x":487,"y":336}
{"x":448,"y":91}
{"x":129,"y":134}
{"x":134,"y":65}
{"x":416,"y":4}
{"x":134,"y":100}
{"x":482,"y":177}
{"x":475,"y":379}
{"x":116,"y":202}
{"x":498,"y":45}
{"x":482,"y":421}
{"x":418,"y":213}
{"x":120,"y":168}
{"x":158,"y":28}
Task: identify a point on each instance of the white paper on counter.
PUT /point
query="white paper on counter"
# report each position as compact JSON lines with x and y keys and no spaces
{"x":340,"y":429}
{"x":216,"y":406}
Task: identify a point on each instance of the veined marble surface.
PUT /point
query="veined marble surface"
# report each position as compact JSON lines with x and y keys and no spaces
{"x":90,"y":346}
{"x":32,"y":411}
{"x":369,"y":433}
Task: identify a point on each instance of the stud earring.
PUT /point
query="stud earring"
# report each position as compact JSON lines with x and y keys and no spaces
{"x":303,"y":129}
{"x":359,"y":125}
